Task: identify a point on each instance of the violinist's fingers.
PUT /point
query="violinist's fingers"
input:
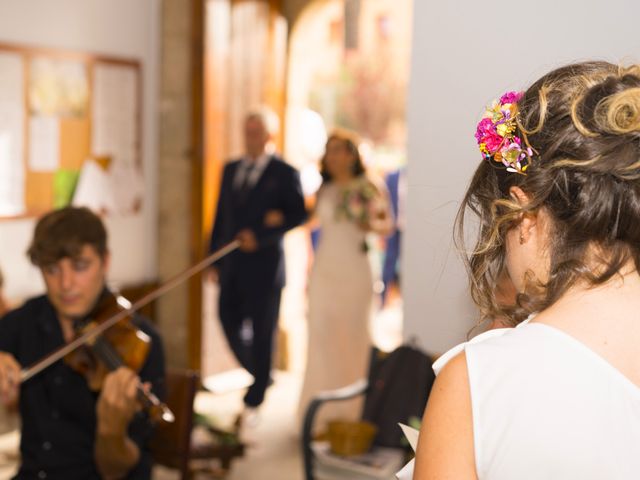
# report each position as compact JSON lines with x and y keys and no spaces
{"x":115,"y":410}
{"x":131,"y":387}
{"x":119,"y":395}
{"x":109,"y":388}
{"x":9,"y":365}
{"x":112,"y":390}
{"x":127,"y":384}
{"x":9,"y":377}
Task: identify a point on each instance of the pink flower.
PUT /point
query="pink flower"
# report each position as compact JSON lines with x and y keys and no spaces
{"x":485,"y":128}
{"x":493,"y":142}
{"x":511,"y":97}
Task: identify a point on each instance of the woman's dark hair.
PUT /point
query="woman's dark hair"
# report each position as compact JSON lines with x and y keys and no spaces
{"x":583,"y":122}
{"x":351,"y":142}
{"x":63,"y":233}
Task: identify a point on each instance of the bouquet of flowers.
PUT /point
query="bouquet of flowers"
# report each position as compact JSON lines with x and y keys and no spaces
{"x":357,"y":202}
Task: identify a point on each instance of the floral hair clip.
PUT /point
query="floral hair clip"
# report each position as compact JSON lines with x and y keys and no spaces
{"x":498,"y":137}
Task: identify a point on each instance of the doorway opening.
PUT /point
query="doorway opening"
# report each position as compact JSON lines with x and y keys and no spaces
{"x":343,"y":63}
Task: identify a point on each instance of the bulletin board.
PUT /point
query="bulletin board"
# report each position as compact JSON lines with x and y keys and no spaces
{"x":70,"y":132}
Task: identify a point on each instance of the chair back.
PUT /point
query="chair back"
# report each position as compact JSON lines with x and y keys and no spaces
{"x":399,"y":386}
{"x":171,"y":442}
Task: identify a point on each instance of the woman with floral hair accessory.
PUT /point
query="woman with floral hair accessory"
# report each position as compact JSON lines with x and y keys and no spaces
{"x":349,"y":206}
{"x":557,"y":195}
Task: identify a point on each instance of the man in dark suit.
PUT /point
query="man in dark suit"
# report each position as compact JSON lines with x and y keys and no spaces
{"x":260,"y":199}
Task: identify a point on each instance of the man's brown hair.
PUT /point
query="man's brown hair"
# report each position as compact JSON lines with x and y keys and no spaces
{"x":62,"y":234}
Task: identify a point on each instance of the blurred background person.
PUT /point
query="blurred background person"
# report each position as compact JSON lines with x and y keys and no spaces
{"x":260,"y":199}
{"x":396,"y":184}
{"x":349,"y":206}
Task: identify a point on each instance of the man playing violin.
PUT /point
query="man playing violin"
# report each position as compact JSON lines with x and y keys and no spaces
{"x":70,"y":431}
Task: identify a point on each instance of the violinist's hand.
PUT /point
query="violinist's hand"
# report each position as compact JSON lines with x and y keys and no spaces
{"x":118,"y":402}
{"x":9,"y":380}
{"x":248,"y":242}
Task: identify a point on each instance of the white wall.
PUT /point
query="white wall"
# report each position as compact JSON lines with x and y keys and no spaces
{"x":122,"y":28}
{"x":466,"y":53}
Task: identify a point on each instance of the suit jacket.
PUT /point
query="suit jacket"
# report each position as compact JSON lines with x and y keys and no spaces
{"x":278,"y":188}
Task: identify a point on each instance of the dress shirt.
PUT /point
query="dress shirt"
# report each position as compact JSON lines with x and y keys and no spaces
{"x":253,"y":168}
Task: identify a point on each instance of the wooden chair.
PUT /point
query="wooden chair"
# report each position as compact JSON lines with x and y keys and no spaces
{"x":172,"y":446}
{"x":171,"y":442}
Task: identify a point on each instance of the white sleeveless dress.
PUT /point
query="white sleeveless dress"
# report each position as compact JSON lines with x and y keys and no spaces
{"x":545,"y":406}
{"x":340,"y":307}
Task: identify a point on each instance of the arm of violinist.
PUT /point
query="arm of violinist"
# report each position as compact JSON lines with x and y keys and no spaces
{"x":9,"y":380}
{"x":115,"y":453}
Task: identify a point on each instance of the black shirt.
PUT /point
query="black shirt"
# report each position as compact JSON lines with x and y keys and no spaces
{"x":57,"y":407}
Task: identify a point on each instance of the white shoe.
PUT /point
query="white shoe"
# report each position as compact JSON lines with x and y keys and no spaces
{"x":246,"y":423}
{"x":250,"y":417}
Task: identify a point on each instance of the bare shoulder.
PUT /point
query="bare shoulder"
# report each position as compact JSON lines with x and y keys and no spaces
{"x":445,"y":449}
{"x":450,"y":399}
{"x":454,"y":373}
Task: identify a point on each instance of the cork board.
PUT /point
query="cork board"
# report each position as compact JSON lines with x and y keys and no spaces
{"x":70,"y":131}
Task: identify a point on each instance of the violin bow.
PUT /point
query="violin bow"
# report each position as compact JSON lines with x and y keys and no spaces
{"x":56,"y":355}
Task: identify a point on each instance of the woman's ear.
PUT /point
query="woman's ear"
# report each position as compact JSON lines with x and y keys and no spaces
{"x":518,"y":196}
{"x":528,"y":221}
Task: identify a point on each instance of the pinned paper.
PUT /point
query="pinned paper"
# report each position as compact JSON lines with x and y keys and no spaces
{"x":44,"y":143}
{"x":64,"y":185}
{"x":127,"y":185}
{"x":94,"y":189}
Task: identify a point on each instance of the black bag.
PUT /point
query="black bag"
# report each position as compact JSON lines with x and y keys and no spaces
{"x":399,"y":386}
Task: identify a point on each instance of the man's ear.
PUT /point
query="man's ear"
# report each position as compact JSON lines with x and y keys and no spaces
{"x":106,"y":260}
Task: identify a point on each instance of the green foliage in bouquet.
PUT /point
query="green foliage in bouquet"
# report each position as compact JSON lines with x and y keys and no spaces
{"x":356,"y":205}
{"x":356,"y":202}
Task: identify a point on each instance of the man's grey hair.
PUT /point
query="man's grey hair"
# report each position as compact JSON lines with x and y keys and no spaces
{"x":267,"y":117}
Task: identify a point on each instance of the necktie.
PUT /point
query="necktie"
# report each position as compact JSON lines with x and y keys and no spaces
{"x":245,"y":186}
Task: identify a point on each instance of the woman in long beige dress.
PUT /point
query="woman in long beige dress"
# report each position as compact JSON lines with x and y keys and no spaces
{"x":349,"y":206}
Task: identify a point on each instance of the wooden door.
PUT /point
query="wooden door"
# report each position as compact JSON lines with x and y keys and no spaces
{"x":243,"y":66}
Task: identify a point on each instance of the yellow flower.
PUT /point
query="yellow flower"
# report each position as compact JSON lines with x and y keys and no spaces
{"x":505,"y":129}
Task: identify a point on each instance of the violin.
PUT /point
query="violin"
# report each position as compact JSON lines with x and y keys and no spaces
{"x":109,"y":340}
{"x":123,"y":344}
